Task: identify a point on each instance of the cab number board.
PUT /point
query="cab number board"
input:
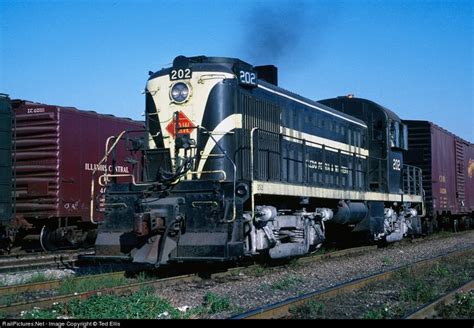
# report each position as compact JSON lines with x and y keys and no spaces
{"x":182,"y":73}
{"x":248,"y":78}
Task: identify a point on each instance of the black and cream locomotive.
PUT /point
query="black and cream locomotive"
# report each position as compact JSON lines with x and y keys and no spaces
{"x":235,"y":166}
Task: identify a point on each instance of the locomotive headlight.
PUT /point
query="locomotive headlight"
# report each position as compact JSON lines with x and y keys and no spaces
{"x":180,"y":92}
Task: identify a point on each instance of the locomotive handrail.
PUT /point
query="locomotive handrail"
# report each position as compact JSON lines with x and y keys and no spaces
{"x":104,"y":176}
{"x":234,"y":211}
{"x":208,"y":172}
{"x":301,"y":140}
{"x":104,"y":159}
{"x":413,"y":176}
{"x":210,"y":77}
{"x":252,"y":198}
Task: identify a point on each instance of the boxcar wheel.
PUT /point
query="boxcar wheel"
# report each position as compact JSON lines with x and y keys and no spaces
{"x":45,"y":240}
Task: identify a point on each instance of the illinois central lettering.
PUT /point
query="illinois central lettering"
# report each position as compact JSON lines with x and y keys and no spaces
{"x":105,"y":168}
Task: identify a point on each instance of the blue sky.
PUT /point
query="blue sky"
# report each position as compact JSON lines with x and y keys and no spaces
{"x":414,"y":57}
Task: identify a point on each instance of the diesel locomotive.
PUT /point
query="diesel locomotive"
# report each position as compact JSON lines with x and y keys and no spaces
{"x":235,"y":167}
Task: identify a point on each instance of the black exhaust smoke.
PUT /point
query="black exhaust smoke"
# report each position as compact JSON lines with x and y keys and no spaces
{"x":285,"y":33}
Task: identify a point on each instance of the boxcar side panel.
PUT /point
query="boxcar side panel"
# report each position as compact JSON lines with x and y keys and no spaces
{"x":443,"y":170}
{"x":58,"y":149}
{"x":36,"y":160}
{"x":70,"y":148}
{"x":81,"y":151}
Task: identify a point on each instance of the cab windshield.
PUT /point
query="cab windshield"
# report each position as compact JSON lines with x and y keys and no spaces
{"x":398,"y":135}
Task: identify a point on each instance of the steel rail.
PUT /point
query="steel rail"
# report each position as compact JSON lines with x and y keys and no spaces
{"x":54,"y":283}
{"x":282,"y":309}
{"x":15,"y":264}
{"x":430,"y":309}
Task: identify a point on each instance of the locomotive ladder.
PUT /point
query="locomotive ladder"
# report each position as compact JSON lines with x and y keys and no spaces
{"x":460,"y":174}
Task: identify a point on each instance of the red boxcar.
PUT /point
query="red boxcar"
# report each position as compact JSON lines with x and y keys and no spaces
{"x":57,"y":148}
{"x":447,"y":162}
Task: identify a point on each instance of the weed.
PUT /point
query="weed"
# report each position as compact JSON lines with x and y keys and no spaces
{"x":309,"y":310}
{"x":9,"y":299}
{"x":380,"y":313}
{"x":463,"y":307}
{"x":37,"y":313}
{"x":294,"y":264}
{"x":386,"y":260}
{"x":71,"y":285}
{"x":403,"y":274}
{"x":215,"y":303}
{"x":141,"y":277}
{"x":465,"y":276}
{"x":212,"y":304}
{"x":441,"y":271}
{"x":286,"y":283}
{"x":418,"y":292}
{"x":141,"y":305}
{"x":37,"y":277}
{"x":258,"y":271}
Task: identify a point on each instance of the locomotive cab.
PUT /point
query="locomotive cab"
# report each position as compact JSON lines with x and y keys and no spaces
{"x":388,"y":140}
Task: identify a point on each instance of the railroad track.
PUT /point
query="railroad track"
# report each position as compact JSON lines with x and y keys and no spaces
{"x":60,"y":260}
{"x":282,"y":309}
{"x":431,"y":309}
{"x":54,"y":284}
{"x":14,"y":308}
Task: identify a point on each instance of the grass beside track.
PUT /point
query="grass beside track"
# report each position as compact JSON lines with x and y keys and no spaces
{"x":397,"y":297}
{"x":462,"y":308}
{"x":143,"y":304}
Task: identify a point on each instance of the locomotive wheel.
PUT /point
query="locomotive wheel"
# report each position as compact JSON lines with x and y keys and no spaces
{"x":45,"y":240}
